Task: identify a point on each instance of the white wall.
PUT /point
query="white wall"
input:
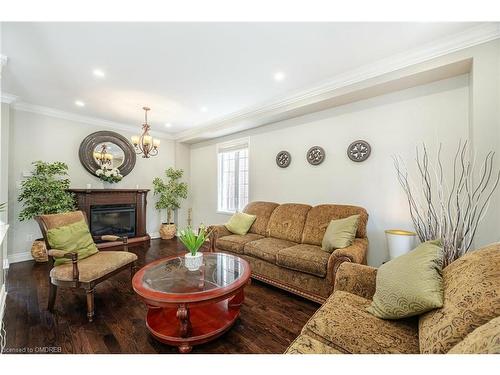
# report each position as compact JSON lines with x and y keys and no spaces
{"x":39,"y":137}
{"x":4,"y":156}
{"x":393,"y":124}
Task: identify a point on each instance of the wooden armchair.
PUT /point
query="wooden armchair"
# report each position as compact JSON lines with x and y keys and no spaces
{"x":85,"y":273}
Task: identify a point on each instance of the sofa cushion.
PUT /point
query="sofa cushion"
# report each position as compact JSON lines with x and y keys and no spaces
{"x":344,"y":323}
{"x":410,"y":284}
{"x":305,"y":344}
{"x":483,"y":340}
{"x":94,"y":267}
{"x":266,"y":248}
{"x":305,"y":258}
{"x":263,"y":211}
{"x":320,"y":216}
{"x":471,"y":287}
{"x":240,"y":223}
{"x":287,"y":221}
{"x":235,"y":242}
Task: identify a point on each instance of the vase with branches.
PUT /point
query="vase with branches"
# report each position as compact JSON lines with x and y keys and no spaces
{"x":449,"y":209}
{"x":45,"y":192}
{"x":169,"y":193}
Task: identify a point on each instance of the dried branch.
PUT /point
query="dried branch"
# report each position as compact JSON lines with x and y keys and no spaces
{"x":450,"y":214}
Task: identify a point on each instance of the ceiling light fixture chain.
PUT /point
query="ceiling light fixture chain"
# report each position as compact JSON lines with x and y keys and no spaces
{"x":145,"y":144}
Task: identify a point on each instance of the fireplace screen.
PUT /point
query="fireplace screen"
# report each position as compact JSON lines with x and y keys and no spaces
{"x":112,"y":219}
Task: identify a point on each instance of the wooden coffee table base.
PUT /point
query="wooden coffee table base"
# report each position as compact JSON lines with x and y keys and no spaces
{"x":185,"y":326}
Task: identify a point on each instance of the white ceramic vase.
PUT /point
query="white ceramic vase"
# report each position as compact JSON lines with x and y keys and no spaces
{"x":193,"y":262}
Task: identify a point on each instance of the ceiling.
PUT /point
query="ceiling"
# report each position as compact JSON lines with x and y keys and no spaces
{"x":190,"y":74}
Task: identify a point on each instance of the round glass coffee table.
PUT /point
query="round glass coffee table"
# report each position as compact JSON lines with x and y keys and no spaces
{"x":187,"y":308}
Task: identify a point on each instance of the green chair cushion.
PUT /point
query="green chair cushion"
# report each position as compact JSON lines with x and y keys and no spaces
{"x":240,"y":223}
{"x":410,"y":284}
{"x":340,"y":233}
{"x":74,"y":237}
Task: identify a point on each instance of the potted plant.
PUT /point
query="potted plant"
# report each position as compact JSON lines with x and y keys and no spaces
{"x":194,"y":259}
{"x":45,"y":192}
{"x":169,"y":193}
{"x":109,"y":175}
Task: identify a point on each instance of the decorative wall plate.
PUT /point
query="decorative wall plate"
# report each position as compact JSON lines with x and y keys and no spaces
{"x":283,"y":159}
{"x":315,"y":155}
{"x":359,"y":151}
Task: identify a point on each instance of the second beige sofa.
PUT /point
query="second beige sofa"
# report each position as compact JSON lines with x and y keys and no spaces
{"x":283,"y":246}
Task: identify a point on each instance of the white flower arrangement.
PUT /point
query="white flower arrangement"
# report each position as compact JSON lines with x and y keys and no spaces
{"x":111,"y":175}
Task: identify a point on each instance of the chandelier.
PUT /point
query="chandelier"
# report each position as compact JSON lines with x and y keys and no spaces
{"x":103,"y":157}
{"x":145,"y":144}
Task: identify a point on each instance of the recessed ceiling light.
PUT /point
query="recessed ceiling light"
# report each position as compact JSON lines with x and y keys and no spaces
{"x":168,"y":125}
{"x":204,"y":109}
{"x":279,"y":76}
{"x":79,"y":103}
{"x":98,"y":73}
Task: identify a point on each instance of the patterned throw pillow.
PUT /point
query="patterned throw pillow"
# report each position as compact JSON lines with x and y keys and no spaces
{"x":410,"y":284}
{"x":240,"y":223}
{"x":471,"y":287}
{"x":483,"y":340}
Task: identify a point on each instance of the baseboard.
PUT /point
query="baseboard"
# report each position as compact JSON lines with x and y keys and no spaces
{"x":3,"y":297}
{"x":154,"y":235}
{"x":20,"y":257}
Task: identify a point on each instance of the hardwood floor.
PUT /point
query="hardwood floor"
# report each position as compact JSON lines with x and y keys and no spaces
{"x":270,"y":318}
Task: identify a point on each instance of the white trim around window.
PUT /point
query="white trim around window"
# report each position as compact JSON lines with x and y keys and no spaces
{"x":232,"y":176}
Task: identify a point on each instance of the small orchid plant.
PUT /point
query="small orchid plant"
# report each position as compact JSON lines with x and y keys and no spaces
{"x":110,"y":175}
{"x":194,"y":241}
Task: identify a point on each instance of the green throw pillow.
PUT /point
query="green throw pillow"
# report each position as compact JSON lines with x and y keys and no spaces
{"x":410,"y":284}
{"x":240,"y":223}
{"x":72,"y":238}
{"x":340,"y":233}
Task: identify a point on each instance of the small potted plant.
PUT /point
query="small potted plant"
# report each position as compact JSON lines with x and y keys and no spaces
{"x":45,"y":192}
{"x":194,"y":259}
{"x":169,"y":193}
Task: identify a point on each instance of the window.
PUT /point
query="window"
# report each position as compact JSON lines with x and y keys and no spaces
{"x":232,"y":176}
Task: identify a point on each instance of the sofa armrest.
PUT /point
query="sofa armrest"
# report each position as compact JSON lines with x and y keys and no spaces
{"x":219,"y":230}
{"x":356,"y":279}
{"x":56,"y":253}
{"x":356,"y":253}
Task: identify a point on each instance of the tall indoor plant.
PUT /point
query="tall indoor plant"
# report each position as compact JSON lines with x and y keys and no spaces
{"x":45,"y":192}
{"x":169,"y":192}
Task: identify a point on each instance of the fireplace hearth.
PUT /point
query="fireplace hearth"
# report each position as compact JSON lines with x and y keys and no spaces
{"x":114,"y":211}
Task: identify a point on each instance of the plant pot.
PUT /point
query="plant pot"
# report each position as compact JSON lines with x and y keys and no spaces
{"x":39,"y":251}
{"x":108,"y":185}
{"x":193,"y":262}
{"x":167,"y":231}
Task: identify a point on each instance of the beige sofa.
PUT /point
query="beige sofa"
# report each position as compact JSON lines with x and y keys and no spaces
{"x":468,"y":322}
{"x":283,"y":246}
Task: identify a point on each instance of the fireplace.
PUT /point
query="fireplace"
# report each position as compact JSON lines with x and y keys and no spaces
{"x":114,"y":211}
{"x":116,"y":219}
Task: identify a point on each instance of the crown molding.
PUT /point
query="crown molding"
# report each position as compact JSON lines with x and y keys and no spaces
{"x":7,"y":98}
{"x":241,"y":120}
{"x":52,"y":112}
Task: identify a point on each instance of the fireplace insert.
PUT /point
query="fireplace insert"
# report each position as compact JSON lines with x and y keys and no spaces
{"x":116,"y":219}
